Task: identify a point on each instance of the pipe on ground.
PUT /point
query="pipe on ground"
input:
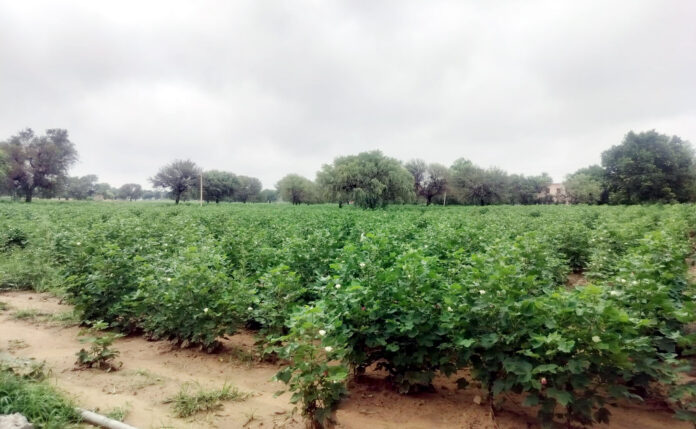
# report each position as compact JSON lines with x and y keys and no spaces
{"x":102,"y":421}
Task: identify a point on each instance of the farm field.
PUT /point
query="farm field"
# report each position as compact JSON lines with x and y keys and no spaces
{"x":470,"y":304}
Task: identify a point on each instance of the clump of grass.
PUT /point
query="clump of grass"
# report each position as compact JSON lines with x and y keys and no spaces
{"x":29,"y":314}
{"x":65,"y":318}
{"x":142,"y":378}
{"x":37,"y":400}
{"x":3,"y":306}
{"x":190,"y":401}
{"x":118,"y":413}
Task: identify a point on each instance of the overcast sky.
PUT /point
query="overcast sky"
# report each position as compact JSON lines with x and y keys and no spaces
{"x":267,"y":88}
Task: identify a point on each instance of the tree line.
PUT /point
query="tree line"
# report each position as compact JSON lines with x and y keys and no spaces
{"x":645,"y":167}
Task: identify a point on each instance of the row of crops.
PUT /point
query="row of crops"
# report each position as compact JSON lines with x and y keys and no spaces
{"x":480,"y":294}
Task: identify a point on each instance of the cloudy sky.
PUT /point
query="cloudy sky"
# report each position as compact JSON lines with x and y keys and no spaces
{"x":266,"y":88}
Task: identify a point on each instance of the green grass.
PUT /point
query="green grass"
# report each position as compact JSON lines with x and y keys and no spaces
{"x":117,"y":413}
{"x":3,"y":306}
{"x":37,"y":400}
{"x":29,"y":314}
{"x":65,"y":318}
{"x":190,"y":401}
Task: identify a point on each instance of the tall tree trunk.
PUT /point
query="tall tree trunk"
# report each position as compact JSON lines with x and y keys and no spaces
{"x":177,"y":198}
{"x":28,"y":194}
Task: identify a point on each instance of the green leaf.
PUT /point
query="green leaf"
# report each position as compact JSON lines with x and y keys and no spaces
{"x":337,"y":373}
{"x":564,"y":398}
{"x":546,"y":368}
{"x":464,"y":342}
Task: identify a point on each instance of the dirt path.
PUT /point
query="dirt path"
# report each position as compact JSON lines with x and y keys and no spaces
{"x":154,"y":371}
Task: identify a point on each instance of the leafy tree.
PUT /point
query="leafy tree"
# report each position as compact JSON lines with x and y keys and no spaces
{"x":38,"y":162}
{"x":296,"y":189}
{"x":80,"y":188}
{"x":149,"y":194}
{"x":178,"y":177}
{"x":219,"y":185}
{"x":526,"y":189}
{"x":650,"y":167}
{"x":4,"y":164}
{"x":4,"y":168}
{"x":369,"y":178}
{"x":435,"y":183}
{"x":268,"y":196}
{"x":130,"y":191}
{"x":105,"y":191}
{"x":418,"y":169}
{"x":248,"y":190}
{"x":478,"y":186}
{"x":429,"y":181}
{"x":586,"y":186}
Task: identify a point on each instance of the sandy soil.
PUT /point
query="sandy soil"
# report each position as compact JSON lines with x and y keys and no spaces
{"x":154,"y":371}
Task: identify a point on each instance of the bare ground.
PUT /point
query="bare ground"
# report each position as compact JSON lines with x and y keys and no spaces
{"x":154,"y":371}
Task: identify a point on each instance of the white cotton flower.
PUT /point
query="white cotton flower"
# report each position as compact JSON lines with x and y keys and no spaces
{"x":362,"y":265}
{"x":622,"y":280}
{"x":596,"y":339}
{"x":482,"y":292}
{"x":328,"y":349}
{"x":449,"y":309}
{"x":78,"y":243}
{"x":169,"y":279}
{"x":633,"y":283}
{"x":338,"y":286}
{"x":322,"y":332}
{"x":205,"y":310}
{"x":250,"y":308}
{"x":615,"y":293}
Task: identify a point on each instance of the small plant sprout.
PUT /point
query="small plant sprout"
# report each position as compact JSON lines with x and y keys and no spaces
{"x":100,"y":354}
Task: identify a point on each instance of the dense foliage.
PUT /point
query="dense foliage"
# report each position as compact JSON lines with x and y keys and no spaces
{"x":412,"y":291}
{"x":650,"y":167}
{"x":37,"y":162}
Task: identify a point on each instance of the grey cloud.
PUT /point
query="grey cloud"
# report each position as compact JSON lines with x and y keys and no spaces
{"x":269,"y":88}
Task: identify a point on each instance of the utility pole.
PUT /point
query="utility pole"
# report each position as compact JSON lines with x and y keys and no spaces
{"x":444,"y":200}
{"x":201,"y":189}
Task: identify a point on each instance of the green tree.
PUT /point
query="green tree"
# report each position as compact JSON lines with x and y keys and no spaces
{"x":130,"y":192}
{"x":474,"y":185}
{"x":526,"y":189}
{"x":650,"y":167}
{"x":149,"y":194}
{"x":586,"y":186}
{"x":178,"y":177}
{"x":38,"y":162}
{"x":369,"y":178}
{"x":429,"y":180}
{"x":296,"y":189}
{"x":219,"y":185}
{"x":268,"y":196}
{"x":105,"y":191}
{"x":248,"y":190}
{"x":80,"y":188}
